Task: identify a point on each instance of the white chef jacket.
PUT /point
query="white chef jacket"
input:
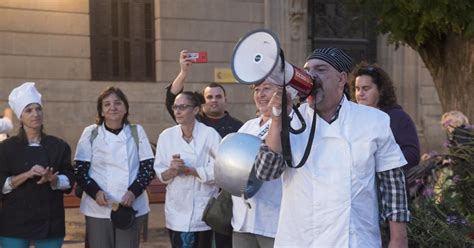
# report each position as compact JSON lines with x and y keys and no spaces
{"x":262,"y":217}
{"x":187,"y":196}
{"x":332,"y":200}
{"x":114,"y":166}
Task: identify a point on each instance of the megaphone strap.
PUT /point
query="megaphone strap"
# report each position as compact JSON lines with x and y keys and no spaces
{"x":287,"y":148}
{"x":285,"y":129}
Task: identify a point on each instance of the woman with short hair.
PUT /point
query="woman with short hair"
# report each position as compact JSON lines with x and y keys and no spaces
{"x":256,"y":226}
{"x":113,"y":164}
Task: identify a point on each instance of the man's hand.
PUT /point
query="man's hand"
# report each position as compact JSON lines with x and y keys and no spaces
{"x":275,"y":103}
{"x":398,"y":235}
{"x":184,"y":62}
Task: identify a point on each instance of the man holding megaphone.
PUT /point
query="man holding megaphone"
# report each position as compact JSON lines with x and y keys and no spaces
{"x":331,"y":201}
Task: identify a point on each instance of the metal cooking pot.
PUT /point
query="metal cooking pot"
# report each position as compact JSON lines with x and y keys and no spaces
{"x":233,"y":169}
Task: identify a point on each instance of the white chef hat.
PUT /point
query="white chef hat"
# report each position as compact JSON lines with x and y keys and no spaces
{"x":23,"y":95}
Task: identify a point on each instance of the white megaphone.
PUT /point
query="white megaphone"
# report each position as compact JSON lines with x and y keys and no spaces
{"x":257,"y":57}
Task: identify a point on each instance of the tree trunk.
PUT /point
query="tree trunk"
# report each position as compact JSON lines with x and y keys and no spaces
{"x":451,"y":64}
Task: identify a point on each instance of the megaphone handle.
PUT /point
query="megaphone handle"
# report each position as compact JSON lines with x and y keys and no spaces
{"x":300,"y":118}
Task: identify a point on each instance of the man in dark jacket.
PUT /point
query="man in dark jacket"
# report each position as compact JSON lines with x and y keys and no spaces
{"x":214,"y":112}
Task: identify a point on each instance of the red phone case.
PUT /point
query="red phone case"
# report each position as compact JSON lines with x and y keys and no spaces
{"x":197,"y":57}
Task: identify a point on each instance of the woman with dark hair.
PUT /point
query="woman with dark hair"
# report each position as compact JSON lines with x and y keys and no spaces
{"x":113,"y":164}
{"x":184,"y":161}
{"x":372,"y":86}
{"x":35,"y":172}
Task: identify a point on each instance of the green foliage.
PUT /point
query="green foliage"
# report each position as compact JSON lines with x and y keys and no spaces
{"x":416,"y":22}
{"x":434,"y":226}
{"x":443,"y":211}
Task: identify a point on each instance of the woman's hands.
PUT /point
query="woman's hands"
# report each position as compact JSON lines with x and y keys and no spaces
{"x":36,"y":170}
{"x":177,"y":167}
{"x":101,"y":198}
{"x":128,"y":199}
{"x":48,"y":175}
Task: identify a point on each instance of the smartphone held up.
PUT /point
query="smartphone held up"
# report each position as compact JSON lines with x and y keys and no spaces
{"x":197,"y":57}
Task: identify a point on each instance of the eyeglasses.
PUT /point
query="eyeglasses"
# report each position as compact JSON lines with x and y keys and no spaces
{"x":181,"y":107}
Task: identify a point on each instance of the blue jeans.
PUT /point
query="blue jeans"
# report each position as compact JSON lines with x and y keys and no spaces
{"x":25,"y":243}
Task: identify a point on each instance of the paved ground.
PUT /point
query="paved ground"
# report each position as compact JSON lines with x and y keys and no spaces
{"x":157,"y":234}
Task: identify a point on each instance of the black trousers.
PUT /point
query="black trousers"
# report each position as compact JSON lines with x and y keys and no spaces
{"x":223,"y":241}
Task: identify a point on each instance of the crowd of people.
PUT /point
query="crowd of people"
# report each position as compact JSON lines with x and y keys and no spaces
{"x":363,"y":145}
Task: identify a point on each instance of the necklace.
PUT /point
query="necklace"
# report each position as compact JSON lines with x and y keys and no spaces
{"x":188,"y":139}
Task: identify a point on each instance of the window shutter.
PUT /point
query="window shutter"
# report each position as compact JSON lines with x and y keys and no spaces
{"x":122,"y":40}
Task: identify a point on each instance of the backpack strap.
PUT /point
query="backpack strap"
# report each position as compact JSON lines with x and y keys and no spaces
{"x":133,"y":129}
{"x":94,"y":134}
{"x":79,"y":191}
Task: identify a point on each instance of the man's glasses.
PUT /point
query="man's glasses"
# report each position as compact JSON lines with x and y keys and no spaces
{"x":181,"y":107}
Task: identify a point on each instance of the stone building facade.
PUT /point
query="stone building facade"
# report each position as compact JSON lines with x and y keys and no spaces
{"x":49,"y":42}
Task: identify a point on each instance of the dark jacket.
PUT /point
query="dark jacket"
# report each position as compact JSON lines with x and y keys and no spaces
{"x":33,"y":211}
{"x":404,"y":131}
{"x":223,"y":126}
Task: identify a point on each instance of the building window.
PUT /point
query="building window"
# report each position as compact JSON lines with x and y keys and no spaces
{"x":122,"y":40}
{"x":335,"y":23}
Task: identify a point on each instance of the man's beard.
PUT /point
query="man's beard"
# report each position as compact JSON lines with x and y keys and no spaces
{"x":317,"y":95}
